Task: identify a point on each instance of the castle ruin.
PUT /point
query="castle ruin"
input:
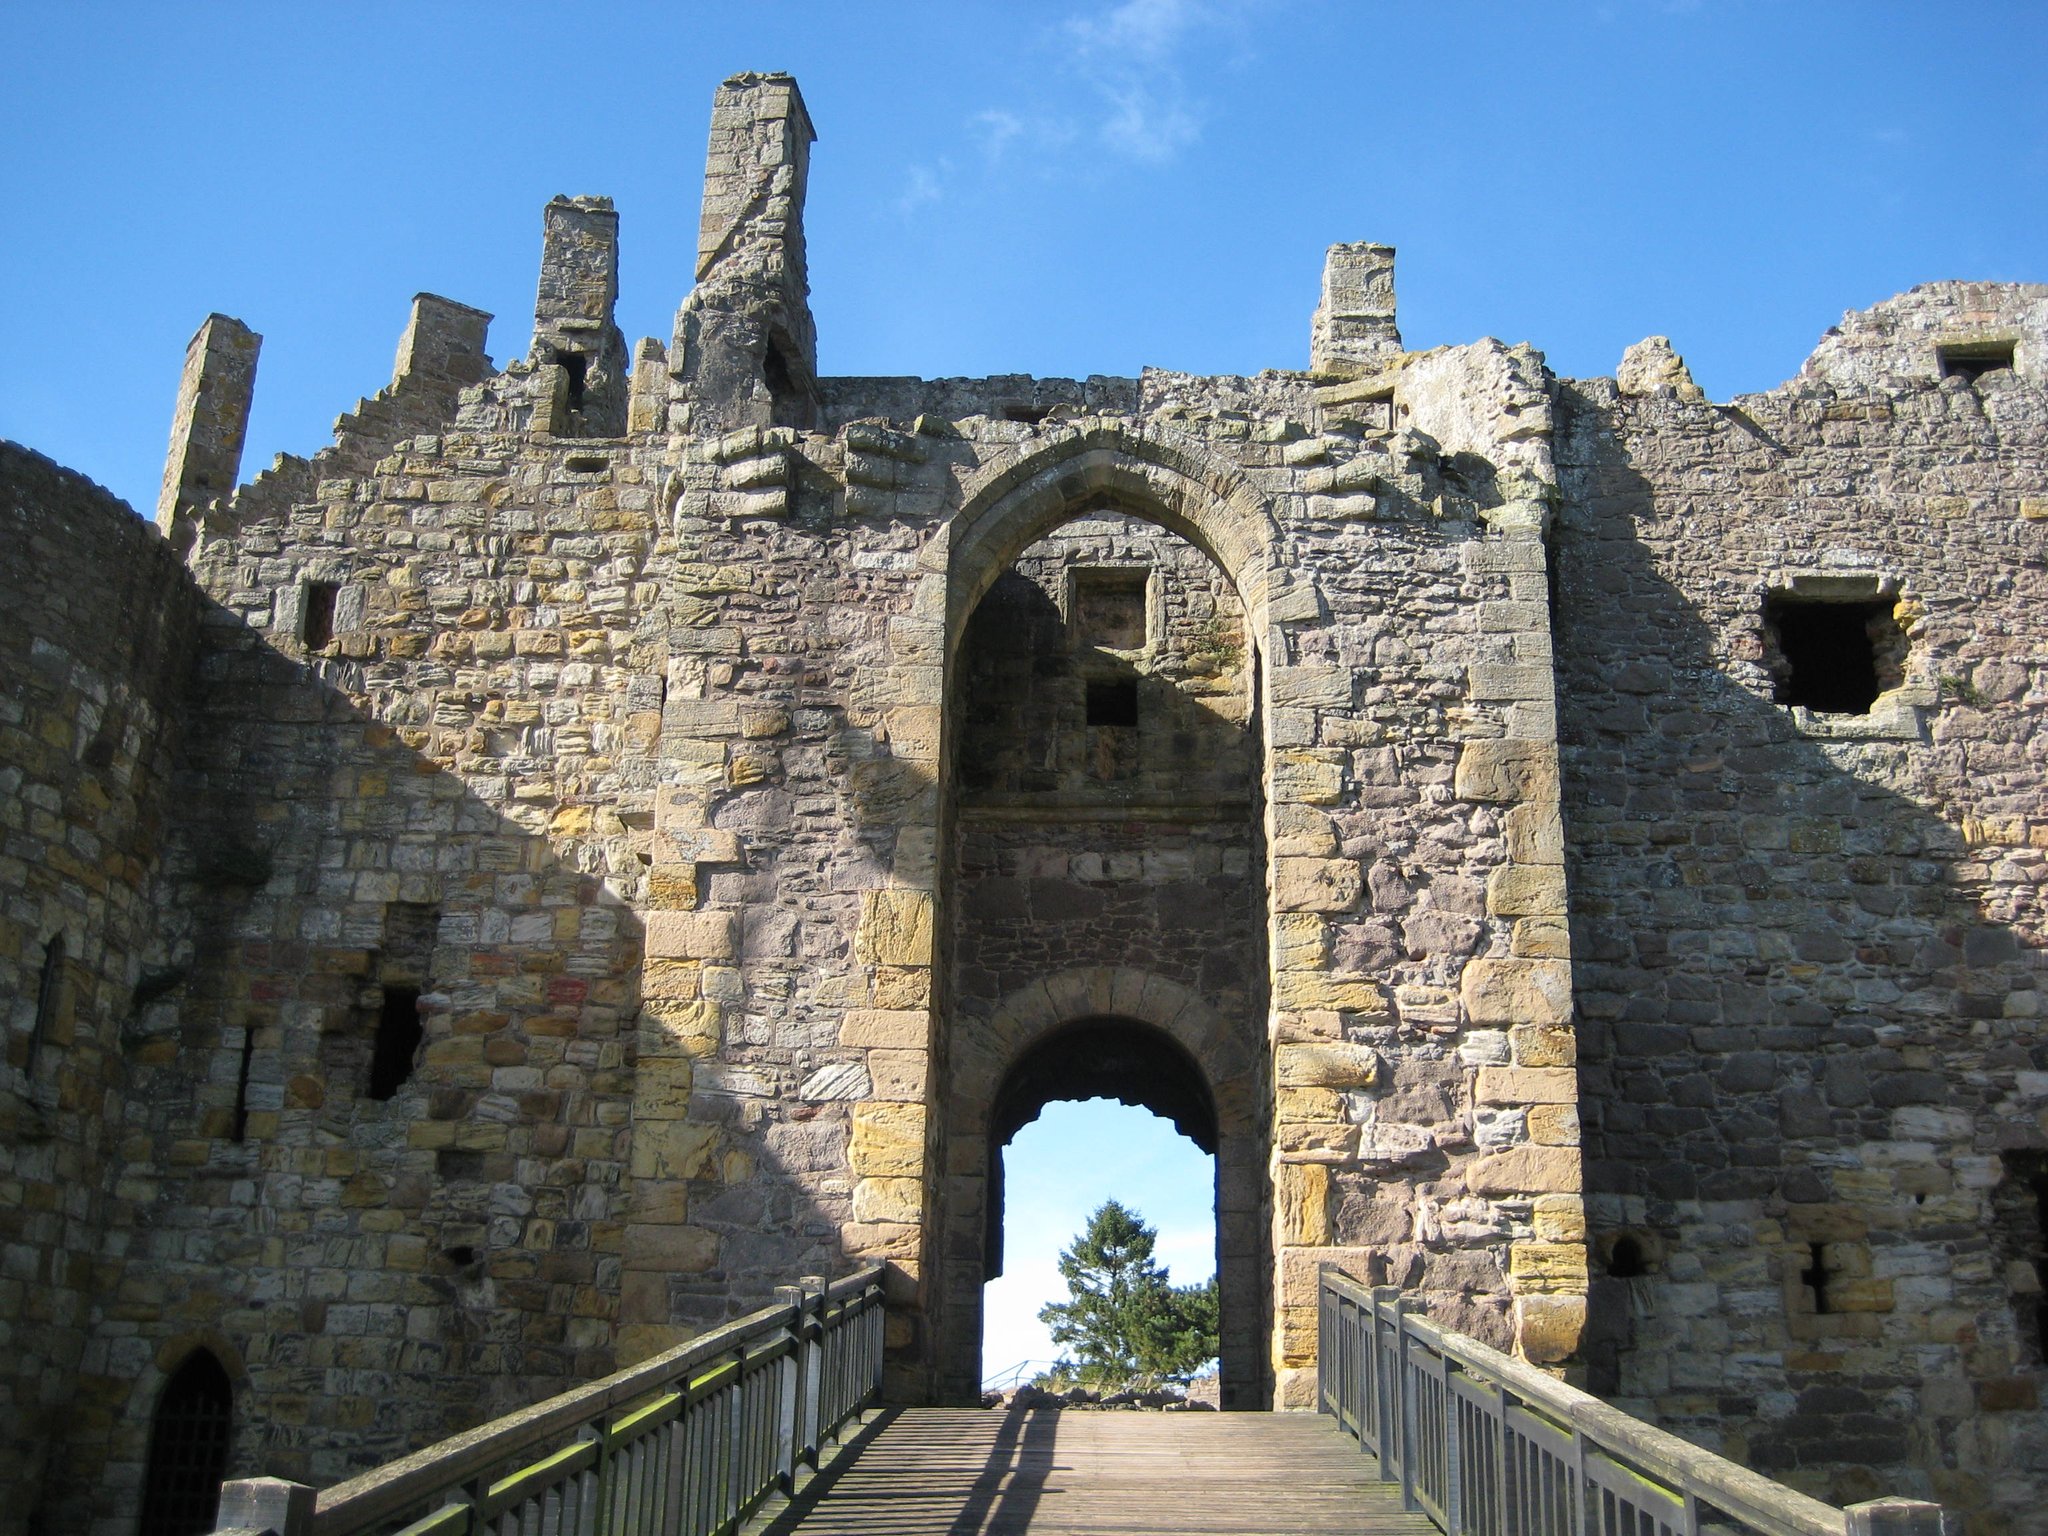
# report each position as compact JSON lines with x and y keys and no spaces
{"x":616,"y":832}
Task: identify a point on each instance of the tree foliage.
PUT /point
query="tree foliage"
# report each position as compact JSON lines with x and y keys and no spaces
{"x":1125,"y":1323}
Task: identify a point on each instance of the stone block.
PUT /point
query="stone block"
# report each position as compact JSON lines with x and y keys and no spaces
{"x":888,"y":1141}
{"x":1316,"y":885}
{"x":1548,"y":1267}
{"x":673,"y":1250}
{"x":1526,"y":1085}
{"x":692,"y":935}
{"x":1554,"y":1125}
{"x":1535,"y":833}
{"x":1512,"y":992}
{"x":1302,"y":1204}
{"x":672,"y":1149}
{"x":1305,"y":777}
{"x":899,"y":1075}
{"x":1311,"y":687}
{"x":1507,"y":770}
{"x":1547,"y":1327}
{"x":1526,"y":1170}
{"x":888,"y":1200}
{"x":1544,"y":1045}
{"x":1526,"y":890}
{"x":887,"y":1028}
{"x":1334,"y":1065}
{"x":1313,"y":991}
{"x":895,"y":928}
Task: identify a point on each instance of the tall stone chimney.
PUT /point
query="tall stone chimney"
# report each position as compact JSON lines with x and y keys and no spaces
{"x":207,"y":429}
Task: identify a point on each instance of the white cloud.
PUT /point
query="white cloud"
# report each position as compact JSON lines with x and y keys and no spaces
{"x":921,"y":186}
{"x":1129,"y":56}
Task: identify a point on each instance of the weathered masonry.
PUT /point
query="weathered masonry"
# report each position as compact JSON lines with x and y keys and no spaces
{"x":623,"y":828}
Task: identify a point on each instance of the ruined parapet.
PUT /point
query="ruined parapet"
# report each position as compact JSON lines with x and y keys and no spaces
{"x":1353,"y":330}
{"x":1488,"y":407}
{"x":207,"y":429}
{"x":442,"y":349}
{"x":745,"y":351}
{"x":1971,"y":332}
{"x":578,"y":354}
{"x":1652,"y":368}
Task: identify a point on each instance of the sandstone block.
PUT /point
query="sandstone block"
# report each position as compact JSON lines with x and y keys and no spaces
{"x":895,"y":928}
{"x":1308,"y":777}
{"x":1312,"y":991}
{"x":1316,"y":885}
{"x":1301,"y":1199}
{"x":1544,"y":1045}
{"x":1548,"y":1267}
{"x":888,"y":1200}
{"x":1311,"y":687}
{"x":661,"y":1088}
{"x":1547,"y":1327}
{"x":1507,"y":769}
{"x":1526,"y":890}
{"x":1511,"y":992}
{"x":1540,"y":938}
{"x":675,"y":1250}
{"x":1333,"y":1065}
{"x":887,"y":1028}
{"x":899,"y":1075}
{"x":1526,"y":1085}
{"x":1535,"y":833}
{"x":1560,"y":1219}
{"x":672,"y":1149}
{"x":1554,"y":1125}
{"x":1526,"y":1170}
{"x":888,"y":1141}
{"x":692,"y":935}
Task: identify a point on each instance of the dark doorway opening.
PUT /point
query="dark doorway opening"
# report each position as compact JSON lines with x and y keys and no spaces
{"x":188,"y":1449}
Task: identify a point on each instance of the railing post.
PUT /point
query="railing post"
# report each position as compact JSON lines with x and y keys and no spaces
{"x":789,"y":1444}
{"x":813,"y":1359}
{"x":1396,"y":1437}
{"x":1902,"y":1517}
{"x":266,"y":1504}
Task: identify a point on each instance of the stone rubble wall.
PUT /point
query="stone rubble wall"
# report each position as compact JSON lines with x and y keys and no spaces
{"x":1809,"y":946}
{"x":99,"y":625}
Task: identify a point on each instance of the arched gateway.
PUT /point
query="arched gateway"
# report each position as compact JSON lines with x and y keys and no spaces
{"x":1106,"y":880}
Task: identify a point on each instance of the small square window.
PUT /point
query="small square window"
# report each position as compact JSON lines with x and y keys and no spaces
{"x":316,"y":615}
{"x":1108,"y":608}
{"x":1113,"y":703}
{"x":1833,"y":656}
{"x":1970,"y":361}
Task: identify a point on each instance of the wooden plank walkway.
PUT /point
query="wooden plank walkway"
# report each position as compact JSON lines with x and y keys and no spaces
{"x":988,"y":1472}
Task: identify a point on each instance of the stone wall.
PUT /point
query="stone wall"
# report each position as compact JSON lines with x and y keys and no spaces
{"x":98,"y":623}
{"x":1810,"y":942}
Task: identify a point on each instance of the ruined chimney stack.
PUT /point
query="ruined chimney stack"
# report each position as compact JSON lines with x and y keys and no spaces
{"x":208,"y":426}
{"x":1354,"y":331}
{"x":573,"y":330}
{"x":744,"y":338}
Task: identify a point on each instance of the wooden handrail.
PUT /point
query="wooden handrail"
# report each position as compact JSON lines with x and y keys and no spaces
{"x":1675,"y":1469}
{"x":531,"y":1442}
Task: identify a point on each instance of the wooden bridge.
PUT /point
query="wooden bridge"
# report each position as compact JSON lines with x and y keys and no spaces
{"x":971,"y":1472}
{"x":770,"y":1425}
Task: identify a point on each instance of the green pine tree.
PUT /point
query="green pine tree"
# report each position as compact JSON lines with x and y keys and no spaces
{"x":1127,"y":1326}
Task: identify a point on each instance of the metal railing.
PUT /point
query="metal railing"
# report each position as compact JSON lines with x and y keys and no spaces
{"x":685,"y":1444}
{"x":1488,"y":1446}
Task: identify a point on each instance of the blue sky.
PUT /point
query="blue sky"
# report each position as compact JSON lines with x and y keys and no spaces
{"x":1057,"y":1171}
{"x":1057,"y":188}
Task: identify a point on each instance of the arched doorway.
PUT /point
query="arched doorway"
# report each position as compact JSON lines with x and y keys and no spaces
{"x":1143,"y":1066}
{"x":188,"y":1449}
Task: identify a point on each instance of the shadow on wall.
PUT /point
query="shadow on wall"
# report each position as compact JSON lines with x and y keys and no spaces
{"x":1805,"y":998}
{"x":418,"y":1131}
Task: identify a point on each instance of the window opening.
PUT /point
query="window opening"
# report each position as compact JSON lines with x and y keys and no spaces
{"x":1830,"y":651}
{"x":188,"y":1449}
{"x":576,"y":371}
{"x":786,"y":399}
{"x":1109,"y":608}
{"x":398,"y":1041}
{"x":2037,"y":1190}
{"x":1625,"y":1260}
{"x":1815,"y":1278}
{"x":48,"y":991}
{"x":316,"y":615}
{"x":1970,"y":361}
{"x":1113,"y":703}
{"x":1026,"y":415}
{"x":241,"y":1130}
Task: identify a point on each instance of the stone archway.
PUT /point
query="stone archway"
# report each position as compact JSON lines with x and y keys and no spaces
{"x":1108,"y":1032}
